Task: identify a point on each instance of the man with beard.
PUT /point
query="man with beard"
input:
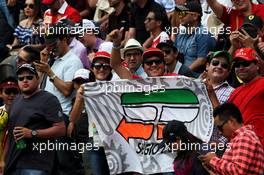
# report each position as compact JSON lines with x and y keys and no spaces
{"x":35,"y":117}
{"x":249,"y":97}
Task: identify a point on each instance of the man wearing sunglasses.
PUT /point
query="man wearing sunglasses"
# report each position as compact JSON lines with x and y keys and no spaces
{"x":36,"y":117}
{"x":153,"y":60}
{"x":217,"y":70}
{"x":8,"y":91}
{"x":244,"y":154}
{"x":249,"y":97}
{"x":194,"y":41}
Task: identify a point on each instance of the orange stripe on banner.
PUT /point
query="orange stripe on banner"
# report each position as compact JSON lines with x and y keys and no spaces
{"x":160,"y":128}
{"x":135,"y":130}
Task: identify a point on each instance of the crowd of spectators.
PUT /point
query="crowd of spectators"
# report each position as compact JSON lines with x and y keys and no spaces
{"x":50,"y":48}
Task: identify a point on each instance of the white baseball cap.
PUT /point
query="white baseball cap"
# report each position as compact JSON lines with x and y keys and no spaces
{"x":106,"y":46}
{"x":81,"y":74}
{"x":85,"y":26}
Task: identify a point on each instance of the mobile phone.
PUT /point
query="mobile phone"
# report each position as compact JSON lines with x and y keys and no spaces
{"x":251,"y":31}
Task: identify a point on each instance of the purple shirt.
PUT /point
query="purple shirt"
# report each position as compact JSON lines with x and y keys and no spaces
{"x":80,"y":50}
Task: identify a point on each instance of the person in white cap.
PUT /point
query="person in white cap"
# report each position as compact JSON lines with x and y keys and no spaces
{"x":132,"y":54}
{"x":78,"y":116}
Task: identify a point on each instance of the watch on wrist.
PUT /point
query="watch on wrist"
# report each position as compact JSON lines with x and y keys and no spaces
{"x":52,"y":78}
{"x":34,"y":133}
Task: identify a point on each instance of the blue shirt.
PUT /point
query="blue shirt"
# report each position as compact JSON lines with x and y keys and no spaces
{"x":194,"y":45}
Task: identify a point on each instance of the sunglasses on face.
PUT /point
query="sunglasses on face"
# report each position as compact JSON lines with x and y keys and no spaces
{"x":243,"y":63}
{"x":135,"y":54}
{"x":216,"y":63}
{"x":166,"y":51}
{"x":98,"y":66}
{"x":31,"y":6}
{"x":10,"y":91}
{"x":29,"y":77}
{"x":220,"y":127}
{"x":151,"y":62}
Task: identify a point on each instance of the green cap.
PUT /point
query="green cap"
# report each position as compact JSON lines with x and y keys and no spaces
{"x":220,"y":53}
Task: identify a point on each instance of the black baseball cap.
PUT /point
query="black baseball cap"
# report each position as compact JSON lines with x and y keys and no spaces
{"x":253,"y":20}
{"x":29,"y":67}
{"x":173,"y":130}
{"x":167,"y":43}
{"x":55,"y":31}
{"x":190,"y":6}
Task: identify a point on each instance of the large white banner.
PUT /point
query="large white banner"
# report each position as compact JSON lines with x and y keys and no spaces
{"x":130,"y":115}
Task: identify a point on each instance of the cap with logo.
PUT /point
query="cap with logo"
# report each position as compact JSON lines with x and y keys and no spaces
{"x":247,"y":54}
{"x":27,"y":67}
{"x":190,"y":6}
{"x":253,"y":20}
{"x":131,"y":44}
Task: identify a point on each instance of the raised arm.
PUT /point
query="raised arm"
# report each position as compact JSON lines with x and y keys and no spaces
{"x":216,"y":7}
{"x":116,"y":62}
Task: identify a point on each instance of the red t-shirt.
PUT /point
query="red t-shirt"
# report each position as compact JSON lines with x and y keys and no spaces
{"x":234,"y":19}
{"x":249,"y":98}
{"x":69,"y":13}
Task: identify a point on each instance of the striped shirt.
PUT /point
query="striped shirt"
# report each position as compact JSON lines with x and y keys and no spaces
{"x":244,"y":156}
{"x":223,"y":92}
{"x":23,"y":34}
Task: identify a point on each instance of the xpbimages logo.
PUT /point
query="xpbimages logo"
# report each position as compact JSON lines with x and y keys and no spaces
{"x":200,"y":148}
{"x":63,"y":146}
{"x":76,"y":30}
{"x":198,"y":30}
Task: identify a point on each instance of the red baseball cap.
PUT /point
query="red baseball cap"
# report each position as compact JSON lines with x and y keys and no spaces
{"x":246,"y":54}
{"x":101,"y":54}
{"x":9,"y":84}
{"x":153,"y":52}
{"x":47,"y":2}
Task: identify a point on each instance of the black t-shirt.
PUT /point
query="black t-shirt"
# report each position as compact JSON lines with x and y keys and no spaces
{"x":40,"y":111}
{"x":138,"y":16}
{"x":119,"y":21}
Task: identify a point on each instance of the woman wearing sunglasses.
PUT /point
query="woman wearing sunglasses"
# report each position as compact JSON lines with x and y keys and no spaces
{"x":94,"y":159}
{"x":26,"y":28}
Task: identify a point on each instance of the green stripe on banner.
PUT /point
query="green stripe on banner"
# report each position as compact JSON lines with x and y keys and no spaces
{"x":169,"y":96}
